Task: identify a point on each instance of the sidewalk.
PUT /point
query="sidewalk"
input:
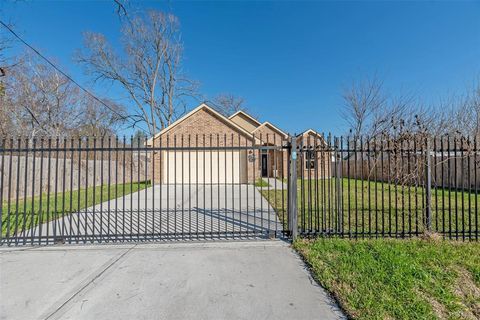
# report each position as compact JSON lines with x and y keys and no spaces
{"x":216,"y":280}
{"x":276,"y":184}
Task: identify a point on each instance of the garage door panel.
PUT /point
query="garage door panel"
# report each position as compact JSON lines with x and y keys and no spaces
{"x":205,"y":167}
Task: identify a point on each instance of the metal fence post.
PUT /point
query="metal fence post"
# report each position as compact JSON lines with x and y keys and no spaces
{"x":428,"y":186}
{"x":293,"y":214}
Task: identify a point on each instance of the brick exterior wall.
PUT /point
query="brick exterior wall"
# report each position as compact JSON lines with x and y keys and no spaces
{"x":202,"y":129}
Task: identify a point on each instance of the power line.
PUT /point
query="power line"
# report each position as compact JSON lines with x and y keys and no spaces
{"x":66,"y":75}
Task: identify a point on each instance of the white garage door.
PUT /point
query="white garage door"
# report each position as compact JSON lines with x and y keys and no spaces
{"x":209,"y":167}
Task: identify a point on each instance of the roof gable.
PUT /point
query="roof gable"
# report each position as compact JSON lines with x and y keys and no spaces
{"x":311,"y":132}
{"x":245,"y":115}
{"x":271,"y":126}
{"x":245,"y":121}
{"x":201,"y":107}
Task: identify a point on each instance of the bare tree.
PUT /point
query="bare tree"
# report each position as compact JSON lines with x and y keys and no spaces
{"x":227,"y":104}
{"x":149,"y":70}
{"x":360,"y":102}
{"x":6,"y":125}
{"x":369,"y":111}
{"x":98,"y":120}
{"x":5,"y":43}
{"x":465,"y":113}
{"x":366,"y":108}
{"x":40,"y":101}
{"x":3,"y":48}
{"x":376,"y":119}
{"x":120,"y":7}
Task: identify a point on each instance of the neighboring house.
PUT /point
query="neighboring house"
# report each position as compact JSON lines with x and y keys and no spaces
{"x":205,"y":127}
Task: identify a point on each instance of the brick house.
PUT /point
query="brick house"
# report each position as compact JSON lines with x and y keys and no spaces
{"x":202,"y":133}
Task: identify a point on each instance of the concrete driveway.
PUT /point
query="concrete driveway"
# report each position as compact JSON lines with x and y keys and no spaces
{"x":214,"y":280}
{"x":171,"y":211}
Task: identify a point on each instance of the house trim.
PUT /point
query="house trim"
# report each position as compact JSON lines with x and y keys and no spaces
{"x":266,"y":123}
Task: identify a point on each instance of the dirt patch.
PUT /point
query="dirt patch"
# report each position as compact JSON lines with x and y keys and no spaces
{"x":469,"y":293}
{"x":438,"y":308}
{"x":431,"y":236}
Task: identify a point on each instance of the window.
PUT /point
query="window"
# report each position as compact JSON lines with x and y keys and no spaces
{"x":310,"y":160}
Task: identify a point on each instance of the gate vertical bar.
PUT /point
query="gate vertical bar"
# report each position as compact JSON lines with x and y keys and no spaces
{"x":100,"y":231}
{"x":55,"y":213}
{"x":24,"y":220}
{"x":2,"y":186}
{"x":428,"y":187}
{"x":17,"y":190}
{"x":32,"y":210}
{"x":292,"y":214}
{"x":49,"y":152}
{"x":338,"y":178}
{"x":63,"y":185}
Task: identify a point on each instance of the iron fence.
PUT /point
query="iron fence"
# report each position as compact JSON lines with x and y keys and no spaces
{"x":219,"y":186}
{"x":177,"y":187}
{"x":388,"y":187}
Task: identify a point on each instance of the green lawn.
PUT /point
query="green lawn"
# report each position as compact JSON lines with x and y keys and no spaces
{"x":260,"y":183}
{"x":398,"y":279}
{"x":54,"y":206}
{"x":376,"y":207}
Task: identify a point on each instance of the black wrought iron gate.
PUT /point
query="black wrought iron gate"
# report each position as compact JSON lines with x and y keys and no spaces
{"x":232,"y":187}
{"x":93,"y":190}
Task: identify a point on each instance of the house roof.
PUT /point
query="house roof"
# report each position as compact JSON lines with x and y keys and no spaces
{"x":197,"y":109}
{"x":308,"y":131}
{"x":240,"y":112}
{"x":268,"y":124}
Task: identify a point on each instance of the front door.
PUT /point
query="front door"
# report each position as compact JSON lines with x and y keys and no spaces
{"x":264,"y":165}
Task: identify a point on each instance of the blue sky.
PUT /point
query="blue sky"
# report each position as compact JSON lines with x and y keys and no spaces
{"x":289,"y":60}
